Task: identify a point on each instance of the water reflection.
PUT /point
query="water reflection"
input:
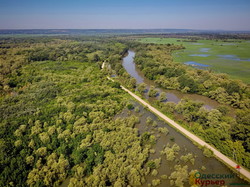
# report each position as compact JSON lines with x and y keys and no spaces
{"x":129,"y":65}
{"x":192,"y":63}
{"x":232,"y":57}
{"x":204,"y":50}
{"x":200,"y":55}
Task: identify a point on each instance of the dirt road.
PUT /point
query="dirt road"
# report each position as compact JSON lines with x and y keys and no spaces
{"x":191,"y":136}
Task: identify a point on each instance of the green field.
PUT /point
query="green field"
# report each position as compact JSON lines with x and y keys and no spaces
{"x":236,"y":66}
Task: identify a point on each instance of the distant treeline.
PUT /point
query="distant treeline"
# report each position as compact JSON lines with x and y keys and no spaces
{"x":162,"y":32}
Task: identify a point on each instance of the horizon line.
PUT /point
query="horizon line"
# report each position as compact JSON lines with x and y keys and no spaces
{"x":225,"y":30}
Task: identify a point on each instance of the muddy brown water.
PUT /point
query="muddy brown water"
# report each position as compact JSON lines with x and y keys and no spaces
{"x":212,"y":165}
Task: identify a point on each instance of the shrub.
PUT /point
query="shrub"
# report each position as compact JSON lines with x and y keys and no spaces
{"x":130,"y":106}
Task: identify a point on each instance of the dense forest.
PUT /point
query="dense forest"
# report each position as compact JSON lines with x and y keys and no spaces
{"x":58,"y":112}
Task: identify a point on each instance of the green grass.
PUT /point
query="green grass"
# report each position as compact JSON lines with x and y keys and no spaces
{"x":235,"y":69}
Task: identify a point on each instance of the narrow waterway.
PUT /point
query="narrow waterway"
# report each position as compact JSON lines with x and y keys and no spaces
{"x":172,"y":95}
{"x":129,"y":65}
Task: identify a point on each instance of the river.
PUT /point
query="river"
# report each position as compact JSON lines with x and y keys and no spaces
{"x":172,"y":95}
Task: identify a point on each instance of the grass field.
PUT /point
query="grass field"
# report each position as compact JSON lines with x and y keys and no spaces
{"x":234,"y":58}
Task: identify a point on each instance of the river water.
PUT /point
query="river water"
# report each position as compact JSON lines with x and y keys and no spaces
{"x":172,"y":95}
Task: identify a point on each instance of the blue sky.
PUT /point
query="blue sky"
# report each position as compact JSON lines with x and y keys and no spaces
{"x":125,"y":14}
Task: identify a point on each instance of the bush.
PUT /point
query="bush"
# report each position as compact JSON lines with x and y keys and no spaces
{"x":165,"y":177}
{"x":152,"y":92}
{"x":154,"y":172}
{"x":130,"y":106}
{"x":151,"y":164}
{"x":207,"y":152}
{"x":115,"y":85}
{"x":156,"y":182}
{"x":163,"y":130}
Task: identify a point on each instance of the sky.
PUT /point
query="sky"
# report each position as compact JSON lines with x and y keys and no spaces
{"x":125,"y":14}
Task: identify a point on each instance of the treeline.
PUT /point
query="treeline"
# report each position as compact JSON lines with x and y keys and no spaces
{"x":202,"y":35}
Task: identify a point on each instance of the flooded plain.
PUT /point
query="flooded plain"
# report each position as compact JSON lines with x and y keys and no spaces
{"x":203,"y":164}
